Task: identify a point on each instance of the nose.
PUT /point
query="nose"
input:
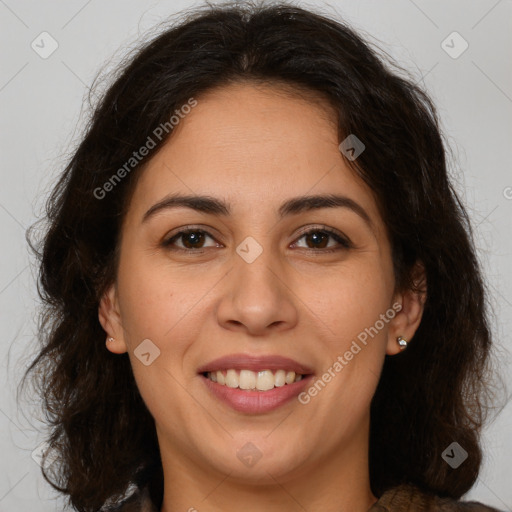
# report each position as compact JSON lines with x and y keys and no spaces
{"x":258,"y":296}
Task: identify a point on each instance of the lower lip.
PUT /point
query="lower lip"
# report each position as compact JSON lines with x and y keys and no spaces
{"x":256,"y":402}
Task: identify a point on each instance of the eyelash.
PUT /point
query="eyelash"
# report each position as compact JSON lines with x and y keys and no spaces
{"x":343,"y":241}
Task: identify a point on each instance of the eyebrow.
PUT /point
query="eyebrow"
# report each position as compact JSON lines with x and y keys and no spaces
{"x":293,"y":206}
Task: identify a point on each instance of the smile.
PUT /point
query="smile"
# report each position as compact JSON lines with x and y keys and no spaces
{"x":254,"y":384}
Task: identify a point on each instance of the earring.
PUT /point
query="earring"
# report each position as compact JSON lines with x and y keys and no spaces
{"x":110,"y":339}
{"x":402,"y":342}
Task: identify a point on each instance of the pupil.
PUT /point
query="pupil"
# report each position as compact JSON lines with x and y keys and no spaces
{"x":317,"y":236}
{"x":194,"y":238}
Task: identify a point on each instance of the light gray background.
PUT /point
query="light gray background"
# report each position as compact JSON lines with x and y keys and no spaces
{"x":41,"y":105}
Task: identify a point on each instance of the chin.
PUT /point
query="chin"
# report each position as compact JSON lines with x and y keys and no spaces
{"x":260,"y":460}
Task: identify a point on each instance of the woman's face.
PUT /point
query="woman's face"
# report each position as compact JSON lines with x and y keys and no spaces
{"x":249,"y":290}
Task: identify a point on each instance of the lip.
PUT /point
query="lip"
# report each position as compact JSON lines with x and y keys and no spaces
{"x":255,"y":363}
{"x":255,"y":402}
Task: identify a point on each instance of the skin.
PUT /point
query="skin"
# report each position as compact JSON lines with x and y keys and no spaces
{"x":255,"y":146}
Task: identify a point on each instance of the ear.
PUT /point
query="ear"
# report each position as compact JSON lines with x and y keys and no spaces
{"x":110,"y":319}
{"x":408,"y":318}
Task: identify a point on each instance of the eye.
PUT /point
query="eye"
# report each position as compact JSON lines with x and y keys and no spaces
{"x":192,"y":240}
{"x":319,"y":238}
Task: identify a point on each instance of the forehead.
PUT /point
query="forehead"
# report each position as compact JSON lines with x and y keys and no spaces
{"x":253,"y":145}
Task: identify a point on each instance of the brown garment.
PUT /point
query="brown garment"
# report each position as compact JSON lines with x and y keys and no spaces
{"x":404,"y":498}
{"x":407,"y":498}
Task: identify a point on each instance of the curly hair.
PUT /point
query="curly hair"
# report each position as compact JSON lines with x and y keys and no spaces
{"x":427,"y":397}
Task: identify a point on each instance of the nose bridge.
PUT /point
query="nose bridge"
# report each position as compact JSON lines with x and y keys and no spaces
{"x":258,"y":296}
{"x":256,"y":262}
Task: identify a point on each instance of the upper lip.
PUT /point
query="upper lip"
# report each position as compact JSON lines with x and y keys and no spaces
{"x":255,"y":363}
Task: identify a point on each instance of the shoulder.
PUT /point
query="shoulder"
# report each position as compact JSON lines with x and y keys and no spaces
{"x":408,"y":498}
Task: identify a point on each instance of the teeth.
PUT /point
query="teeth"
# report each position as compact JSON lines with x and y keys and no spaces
{"x":279,"y":378}
{"x":232,"y":379}
{"x":265,"y":380}
{"x":249,"y":380}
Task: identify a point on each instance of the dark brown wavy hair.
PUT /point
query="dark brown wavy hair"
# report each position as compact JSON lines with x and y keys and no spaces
{"x":102,"y":436}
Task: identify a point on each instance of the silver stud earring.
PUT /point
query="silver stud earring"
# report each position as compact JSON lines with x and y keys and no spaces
{"x":402,"y":342}
{"x":110,"y":339}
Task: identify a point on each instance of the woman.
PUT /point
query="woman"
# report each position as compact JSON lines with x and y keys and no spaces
{"x":260,"y":285}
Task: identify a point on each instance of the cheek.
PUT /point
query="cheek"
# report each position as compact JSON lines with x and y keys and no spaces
{"x":353,"y":302}
{"x":154,"y":301}
{"x":357,"y":312}
{"x":159,"y":306}
{"x":161,"y":303}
